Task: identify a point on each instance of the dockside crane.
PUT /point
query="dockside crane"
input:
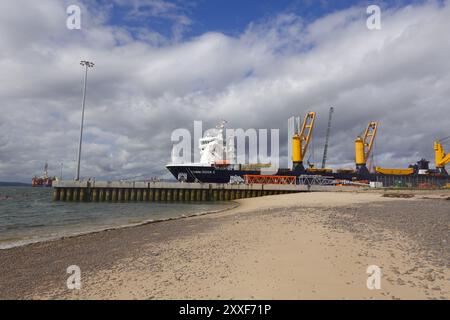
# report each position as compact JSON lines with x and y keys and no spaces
{"x":440,"y":157}
{"x":300,"y":141}
{"x":327,"y":138}
{"x":363,"y":148}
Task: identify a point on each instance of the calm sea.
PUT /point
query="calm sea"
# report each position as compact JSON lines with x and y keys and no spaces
{"x":29,"y":215}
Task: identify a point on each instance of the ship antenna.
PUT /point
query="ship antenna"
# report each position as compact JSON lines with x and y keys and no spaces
{"x":222,"y":124}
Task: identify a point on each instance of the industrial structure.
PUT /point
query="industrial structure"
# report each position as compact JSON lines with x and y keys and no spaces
{"x":217,"y":170}
{"x":363,"y":148}
{"x":300,"y":141}
{"x":327,"y":138}
{"x":44,"y":180}
{"x":218,"y":179}
{"x":131,"y":191}
{"x":441,"y":158}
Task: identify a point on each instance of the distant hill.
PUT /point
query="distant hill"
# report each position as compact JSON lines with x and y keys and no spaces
{"x":14,"y":184}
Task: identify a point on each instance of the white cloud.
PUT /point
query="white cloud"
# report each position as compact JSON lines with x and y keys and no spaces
{"x":158,"y":9}
{"x":139,"y":91}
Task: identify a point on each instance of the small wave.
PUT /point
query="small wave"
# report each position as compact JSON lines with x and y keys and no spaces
{"x":12,"y":242}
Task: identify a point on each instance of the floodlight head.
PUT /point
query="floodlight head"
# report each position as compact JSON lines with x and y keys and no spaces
{"x":87,"y":63}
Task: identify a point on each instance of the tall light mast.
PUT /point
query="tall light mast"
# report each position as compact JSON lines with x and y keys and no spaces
{"x":87,"y":65}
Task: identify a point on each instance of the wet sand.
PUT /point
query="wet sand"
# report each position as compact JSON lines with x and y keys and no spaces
{"x":297,"y":246}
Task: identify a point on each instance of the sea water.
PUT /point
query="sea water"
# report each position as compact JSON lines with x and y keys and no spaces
{"x":29,"y":215}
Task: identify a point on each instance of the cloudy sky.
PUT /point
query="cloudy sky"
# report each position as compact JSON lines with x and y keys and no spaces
{"x":160,"y":65}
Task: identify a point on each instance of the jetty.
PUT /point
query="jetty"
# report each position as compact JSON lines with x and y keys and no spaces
{"x":129,"y":191}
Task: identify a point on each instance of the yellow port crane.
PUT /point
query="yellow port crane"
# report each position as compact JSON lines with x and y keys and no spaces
{"x":363,"y":147}
{"x":440,"y":157}
{"x":300,"y":141}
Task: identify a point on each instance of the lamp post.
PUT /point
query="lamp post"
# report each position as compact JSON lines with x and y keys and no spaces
{"x":87,"y":65}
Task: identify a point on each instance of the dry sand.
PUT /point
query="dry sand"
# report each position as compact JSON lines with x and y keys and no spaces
{"x":297,"y":246}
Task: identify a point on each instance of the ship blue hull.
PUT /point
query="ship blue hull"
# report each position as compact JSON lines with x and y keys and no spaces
{"x":213,"y":174}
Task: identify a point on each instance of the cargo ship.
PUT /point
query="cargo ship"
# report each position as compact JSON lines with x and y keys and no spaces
{"x":44,"y":180}
{"x":217,"y":165}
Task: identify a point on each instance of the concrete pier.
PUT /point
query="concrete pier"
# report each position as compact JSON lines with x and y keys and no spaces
{"x":131,"y":191}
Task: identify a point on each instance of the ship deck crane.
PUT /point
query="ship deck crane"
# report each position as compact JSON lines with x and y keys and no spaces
{"x":327,"y":138}
{"x":440,"y":157}
{"x":300,"y":141}
{"x":363,"y":147}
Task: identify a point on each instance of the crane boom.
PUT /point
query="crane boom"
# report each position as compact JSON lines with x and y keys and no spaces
{"x":369,"y":138}
{"x":327,"y":138}
{"x":441,"y":158}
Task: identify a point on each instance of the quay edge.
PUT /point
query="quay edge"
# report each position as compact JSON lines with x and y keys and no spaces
{"x":126,"y":191}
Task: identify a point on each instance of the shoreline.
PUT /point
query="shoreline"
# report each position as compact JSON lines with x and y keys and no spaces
{"x":297,"y":246}
{"x":124,"y":226}
{"x":236,"y":204}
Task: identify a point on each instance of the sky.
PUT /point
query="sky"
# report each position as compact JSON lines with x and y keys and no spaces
{"x":160,"y":65}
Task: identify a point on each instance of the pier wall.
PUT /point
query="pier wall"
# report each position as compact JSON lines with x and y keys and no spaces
{"x":131,"y":191}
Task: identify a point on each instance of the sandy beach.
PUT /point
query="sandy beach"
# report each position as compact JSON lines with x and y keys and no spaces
{"x":298,"y":246}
